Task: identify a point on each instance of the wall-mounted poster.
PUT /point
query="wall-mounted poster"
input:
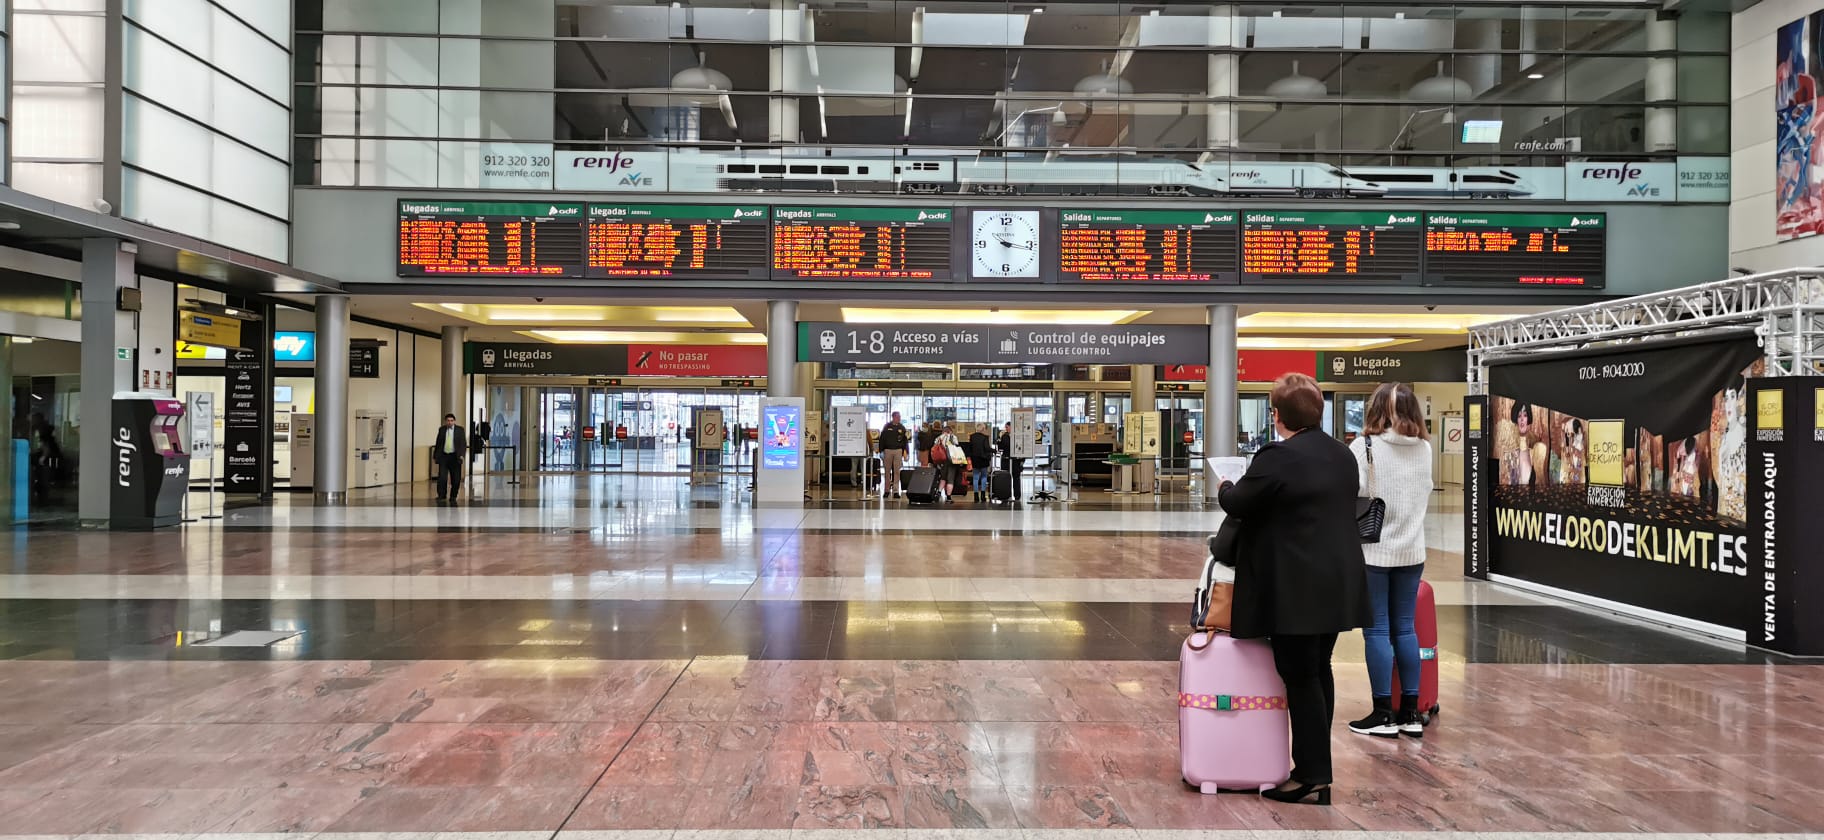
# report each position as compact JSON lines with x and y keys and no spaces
{"x":1621,"y":474}
{"x":1798,"y":157}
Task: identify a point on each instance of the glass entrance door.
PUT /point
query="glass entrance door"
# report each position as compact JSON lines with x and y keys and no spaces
{"x":559,"y":424}
{"x":1349,"y":412}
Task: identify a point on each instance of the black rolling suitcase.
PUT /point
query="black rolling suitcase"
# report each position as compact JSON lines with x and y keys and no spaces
{"x":921,"y":486}
{"x":1000,"y":486}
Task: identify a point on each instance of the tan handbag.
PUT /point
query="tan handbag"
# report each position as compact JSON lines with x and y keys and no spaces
{"x":1213,"y":609}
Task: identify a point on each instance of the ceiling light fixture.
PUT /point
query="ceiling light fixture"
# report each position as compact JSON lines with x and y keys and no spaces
{"x":9,"y":225}
{"x":1535,"y":76}
{"x":641,"y":337}
{"x":1274,"y":342}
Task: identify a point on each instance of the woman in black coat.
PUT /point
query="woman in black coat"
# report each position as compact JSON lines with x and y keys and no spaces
{"x":1300,"y":579}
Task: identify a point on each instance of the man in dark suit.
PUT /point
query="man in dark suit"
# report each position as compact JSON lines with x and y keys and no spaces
{"x":451,"y":448}
{"x":1300,"y":578}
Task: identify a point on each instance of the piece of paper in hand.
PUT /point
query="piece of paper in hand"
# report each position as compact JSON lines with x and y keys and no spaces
{"x":1228,"y":469}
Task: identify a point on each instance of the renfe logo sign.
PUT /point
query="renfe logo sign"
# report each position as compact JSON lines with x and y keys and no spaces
{"x":612,"y":171}
{"x":123,"y":456}
{"x":1620,"y":181}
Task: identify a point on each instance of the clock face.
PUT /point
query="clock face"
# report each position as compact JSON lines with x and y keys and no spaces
{"x":1006,"y":243}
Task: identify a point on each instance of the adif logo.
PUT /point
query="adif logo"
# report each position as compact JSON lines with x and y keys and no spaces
{"x":123,"y":456}
{"x":1209,"y":217}
{"x":1395,"y":219}
{"x":1592,"y":222}
{"x":921,"y":215}
{"x":749,"y":214}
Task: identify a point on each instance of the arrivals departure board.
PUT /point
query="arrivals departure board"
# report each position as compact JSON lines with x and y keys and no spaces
{"x":1294,"y":247}
{"x":677,"y":240}
{"x":875,"y":243}
{"x":489,"y":238}
{"x":1526,"y":249}
{"x":1148,"y":246}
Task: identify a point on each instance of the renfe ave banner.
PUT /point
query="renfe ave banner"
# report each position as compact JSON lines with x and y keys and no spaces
{"x":1623,"y":475}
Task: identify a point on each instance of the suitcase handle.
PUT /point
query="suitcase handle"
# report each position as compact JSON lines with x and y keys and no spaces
{"x":1200,"y":605}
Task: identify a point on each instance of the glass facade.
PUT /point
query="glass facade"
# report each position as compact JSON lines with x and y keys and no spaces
{"x":59,"y":87}
{"x":205,"y":105}
{"x":1167,"y":98}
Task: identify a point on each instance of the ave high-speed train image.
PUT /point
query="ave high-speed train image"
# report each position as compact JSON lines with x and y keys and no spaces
{"x":1070,"y":175}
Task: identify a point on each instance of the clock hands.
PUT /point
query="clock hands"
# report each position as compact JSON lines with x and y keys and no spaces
{"x":1024,"y":246}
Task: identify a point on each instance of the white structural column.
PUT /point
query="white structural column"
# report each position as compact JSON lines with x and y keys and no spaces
{"x":781,"y":348}
{"x":106,"y":269}
{"x":331,"y":454}
{"x":784,"y":71}
{"x":1221,"y":408}
{"x":1662,"y":83}
{"x":455,"y":397}
{"x":1219,"y":119}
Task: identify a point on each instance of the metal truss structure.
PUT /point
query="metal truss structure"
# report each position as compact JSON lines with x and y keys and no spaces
{"x":1785,"y":309}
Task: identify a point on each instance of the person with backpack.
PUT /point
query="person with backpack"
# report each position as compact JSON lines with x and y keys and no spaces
{"x":926,"y":437}
{"x":981,"y":462}
{"x":894,"y":441}
{"x":947,"y":455}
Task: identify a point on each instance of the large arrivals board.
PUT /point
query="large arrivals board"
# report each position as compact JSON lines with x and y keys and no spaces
{"x":1353,"y":247}
{"x":1148,"y":246}
{"x":1526,"y":249}
{"x":490,"y":238}
{"x":875,"y":243}
{"x":677,"y":240}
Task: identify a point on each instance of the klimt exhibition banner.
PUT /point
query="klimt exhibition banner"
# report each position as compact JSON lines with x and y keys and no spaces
{"x":1622,"y":474}
{"x":1786,"y":494}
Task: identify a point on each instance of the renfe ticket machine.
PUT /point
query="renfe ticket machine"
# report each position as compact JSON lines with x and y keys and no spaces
{"x":151,"y":469}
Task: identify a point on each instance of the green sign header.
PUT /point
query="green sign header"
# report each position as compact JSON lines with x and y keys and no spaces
{"x":1149,"y":217}
{"x":1396,"y":218}
{"x":692,"y":212}
{"x":492,"y":209}
{"x":837,"y":215}
{"x":1595,"y":221}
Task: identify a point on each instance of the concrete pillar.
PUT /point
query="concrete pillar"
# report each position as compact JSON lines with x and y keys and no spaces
{"x":106,"y":269}
{"x":1662,"y":83}
{"x":455,"y":396}
{"x":1145,"y":393}
{"x":781,"y":348}
{"x":1221,"y":408}
{"x":332,"y":419}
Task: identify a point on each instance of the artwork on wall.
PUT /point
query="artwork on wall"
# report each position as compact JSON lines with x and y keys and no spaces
{"x":1799,"y":169}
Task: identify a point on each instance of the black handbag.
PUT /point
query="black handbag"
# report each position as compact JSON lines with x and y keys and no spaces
{"x":1370,"y":513}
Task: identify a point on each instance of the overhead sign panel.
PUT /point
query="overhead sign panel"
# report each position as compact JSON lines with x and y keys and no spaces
{"x":1358,"y":248}
{"x":1149,"y":246}
{"x":1527,"y":249}
{"x":1127,"y":344}
{"x":873,"y":243}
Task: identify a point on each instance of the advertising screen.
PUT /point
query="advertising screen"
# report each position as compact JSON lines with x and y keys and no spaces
{"x":780,"y":431}
{"x":1149,"y":246}
{"x":1303,"y":247}
{"x":873,"y":243}
{"x":1524,"y":249}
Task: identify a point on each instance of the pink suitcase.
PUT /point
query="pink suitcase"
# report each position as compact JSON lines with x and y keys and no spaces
{"x":1233,"y":729}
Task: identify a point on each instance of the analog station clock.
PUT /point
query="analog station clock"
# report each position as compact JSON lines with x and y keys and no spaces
{"x":1005,"y":243}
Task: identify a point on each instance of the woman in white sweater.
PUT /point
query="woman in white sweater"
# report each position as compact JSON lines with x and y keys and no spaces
{"x":1393,"y":458}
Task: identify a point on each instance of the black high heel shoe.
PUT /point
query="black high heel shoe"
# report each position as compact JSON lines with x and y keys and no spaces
{"x":1298,"y":793}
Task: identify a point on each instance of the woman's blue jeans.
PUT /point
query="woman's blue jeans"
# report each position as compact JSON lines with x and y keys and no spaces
{"x":1395,"y":595}
{"x":979,"y":478}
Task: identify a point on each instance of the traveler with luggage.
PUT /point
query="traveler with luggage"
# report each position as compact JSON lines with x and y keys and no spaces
{"x":894,"y":443}
{"x":1013,"y":466}
{"x":981,"y":462}
{"x":1300,"y":579}
{"x":1393,"y":458}
{"x":926,"y":437}
{"x":949,"y":462}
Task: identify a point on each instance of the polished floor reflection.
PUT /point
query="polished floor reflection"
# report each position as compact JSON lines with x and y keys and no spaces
{"x":684,"y":662}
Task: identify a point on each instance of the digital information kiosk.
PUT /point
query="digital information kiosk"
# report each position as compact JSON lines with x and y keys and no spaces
{"x":780,"y":477}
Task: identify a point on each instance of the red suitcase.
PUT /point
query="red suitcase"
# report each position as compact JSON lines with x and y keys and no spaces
{"x":1425,"y":621}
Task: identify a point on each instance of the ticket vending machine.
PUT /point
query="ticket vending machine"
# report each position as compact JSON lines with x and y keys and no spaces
{"x":373,"y":464}
{"x":151,"y":470}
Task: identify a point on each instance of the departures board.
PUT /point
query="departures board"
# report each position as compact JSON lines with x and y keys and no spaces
{"x":1180,"y":246}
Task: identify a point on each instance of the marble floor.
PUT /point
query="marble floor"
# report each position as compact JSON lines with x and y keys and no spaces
{"x":634,"y":658}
